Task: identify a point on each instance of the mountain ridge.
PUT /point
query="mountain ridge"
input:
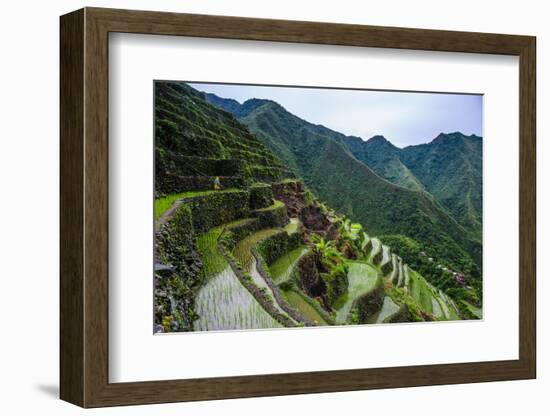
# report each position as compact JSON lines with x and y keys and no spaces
{"x":330,"y":168}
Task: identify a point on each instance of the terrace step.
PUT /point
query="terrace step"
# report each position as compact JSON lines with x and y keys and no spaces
{"x":272,"y":216}
{"x":386,"y":261}
{"x":261,"y":196}
{"x":177,"y":164}
{"x":205,"y":207}
{"x":401,"y":273}
{"x":376,"y":253}
{"x":395,"y":269}
{"x":282,"y":269}
{"x":407,"y":276}
{"x":177,"y":184}
{"x":366,"y":245}
{"x":389,"y":308}
{"x":269,"y":174}
{"x":362,"y":279}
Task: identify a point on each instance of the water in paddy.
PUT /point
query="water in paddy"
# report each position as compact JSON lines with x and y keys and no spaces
{"x":436,"y":308}
{"x":223,"y":303}
{"x":362,"y":279}
{"x":385,"y":255}
{"x":388,"y":308}
{"x":376,"y":247}
{"x":281,"y":269}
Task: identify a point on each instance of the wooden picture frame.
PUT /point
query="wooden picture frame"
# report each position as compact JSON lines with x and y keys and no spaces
{"x":84,"y":207}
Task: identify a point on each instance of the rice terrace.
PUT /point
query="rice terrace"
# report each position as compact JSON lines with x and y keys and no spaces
{"x":266,"y":220}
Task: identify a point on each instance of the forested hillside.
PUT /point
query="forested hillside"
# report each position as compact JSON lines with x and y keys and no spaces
{"x":322,"y":158}
{"x":384,"y":159}
{"x":451,"y":169}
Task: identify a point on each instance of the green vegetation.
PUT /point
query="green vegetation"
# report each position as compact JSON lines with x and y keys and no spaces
{"x":322,"y":159}
{"x":389,"y":308}
{"x":383,"y":158}
{"x":194,"y":138}
{"x":362,"y":279}
{"x":450,"y":167}
{"x":243,"y":250}
{"x":177,"y":273}
{"x":438,"y":270}
{"x":282,"y":269}
{"x":162,"y":204}
{"x":227,"y":256}
{"x":277,"y":244}
{"x":298,"y":301}
{"x":260,"y":196}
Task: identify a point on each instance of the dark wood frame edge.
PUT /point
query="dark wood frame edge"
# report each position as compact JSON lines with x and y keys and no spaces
{"x":84,"y":207}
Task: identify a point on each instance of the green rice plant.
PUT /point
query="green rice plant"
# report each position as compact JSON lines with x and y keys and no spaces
{"x":212,"y":260}
{"x":242,"y":251}
{"x":281,"y":270}
{"x":225,"y":304}
{"x":296,"y":300}
{"x":362,"y":279}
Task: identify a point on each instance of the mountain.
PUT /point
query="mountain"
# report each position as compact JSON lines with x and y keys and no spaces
{"x":451,"y":169}
{"x":322,"y":159}
{"x":383,"y":158}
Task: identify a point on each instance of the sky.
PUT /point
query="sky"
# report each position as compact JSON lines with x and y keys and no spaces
{"x":404,"y":118}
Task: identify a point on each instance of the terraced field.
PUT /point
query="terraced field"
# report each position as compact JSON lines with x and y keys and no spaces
{"x":260,"y":282}
{"x":376,"y":248}
{"x":224,"y":304}
{"x":282,"y":269}
{"x":297,"y":301}
{"x":166,"y":202}
{"x":389,"y":307}
{"x":362,"y":279}
{"x":430,"y":299}
{"x":243,"y":250}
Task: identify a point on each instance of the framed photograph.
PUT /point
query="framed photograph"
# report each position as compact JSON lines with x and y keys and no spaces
{"x":256,"y":207}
